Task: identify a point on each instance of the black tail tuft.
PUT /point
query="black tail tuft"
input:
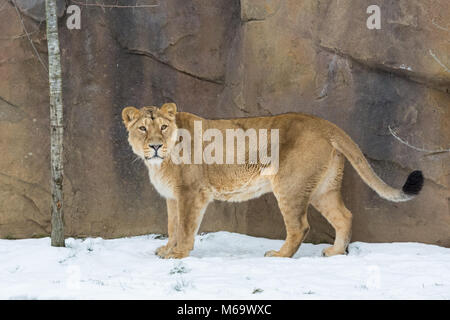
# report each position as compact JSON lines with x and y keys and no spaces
{"x":414,"y":183}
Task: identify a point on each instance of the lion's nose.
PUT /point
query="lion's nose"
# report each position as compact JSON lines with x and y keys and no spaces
{"x":155,"y":147}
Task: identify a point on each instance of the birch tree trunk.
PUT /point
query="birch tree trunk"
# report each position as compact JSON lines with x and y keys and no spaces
{"x":56,"y":124}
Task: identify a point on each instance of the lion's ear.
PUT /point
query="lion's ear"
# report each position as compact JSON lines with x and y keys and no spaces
{"x":129,"y":114}
{"x":170,"y":109}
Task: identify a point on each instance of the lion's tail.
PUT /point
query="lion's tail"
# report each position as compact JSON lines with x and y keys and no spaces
{"x":344,"y":144}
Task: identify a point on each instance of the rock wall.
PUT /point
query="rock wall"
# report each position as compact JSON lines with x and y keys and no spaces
{"x":227,"y":58}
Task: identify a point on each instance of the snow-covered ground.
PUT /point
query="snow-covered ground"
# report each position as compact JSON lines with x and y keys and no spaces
{"x":222,"y":266}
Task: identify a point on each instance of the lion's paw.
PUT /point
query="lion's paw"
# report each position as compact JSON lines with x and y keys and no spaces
{"x":272,"y":253}
{"x":162,"y":251}
{"x":176,"y":255}
{"x":332,"y":251}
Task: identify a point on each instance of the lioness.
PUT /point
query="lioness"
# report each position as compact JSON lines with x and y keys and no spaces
{"x":311,"y":164}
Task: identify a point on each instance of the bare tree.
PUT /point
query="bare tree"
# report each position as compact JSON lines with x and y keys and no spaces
{"x":56,"y":124}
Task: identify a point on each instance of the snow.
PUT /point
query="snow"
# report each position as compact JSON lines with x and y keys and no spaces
{"x":405,"y":67}
{"x":223,"y":265}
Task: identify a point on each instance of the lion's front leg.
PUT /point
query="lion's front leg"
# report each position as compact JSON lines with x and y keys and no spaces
{"x":172,"y":221}
{"x":191,"y":207}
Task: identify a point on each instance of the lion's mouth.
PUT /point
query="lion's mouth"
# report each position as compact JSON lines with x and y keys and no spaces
{"x":154,"y":157}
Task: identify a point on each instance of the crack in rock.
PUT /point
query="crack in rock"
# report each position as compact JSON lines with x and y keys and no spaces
{"x":153,"y":57}
{"x":404,"y":73}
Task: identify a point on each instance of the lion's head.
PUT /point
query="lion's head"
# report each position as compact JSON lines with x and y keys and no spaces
{"x":152,"y":131}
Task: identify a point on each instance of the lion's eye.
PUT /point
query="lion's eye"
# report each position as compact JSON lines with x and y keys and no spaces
{"x":142,"y":128}
{"x":163,"y":127}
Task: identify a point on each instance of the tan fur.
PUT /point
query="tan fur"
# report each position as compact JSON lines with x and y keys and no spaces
{"x":311,"y":164}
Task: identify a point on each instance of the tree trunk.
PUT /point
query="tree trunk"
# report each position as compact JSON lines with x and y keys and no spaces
{"x":56,"y":124}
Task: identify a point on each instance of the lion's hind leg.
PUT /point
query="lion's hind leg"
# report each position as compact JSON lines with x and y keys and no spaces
{"x":293,"y":207}
{"x":331,"y":206}
{"x":327,"y":200}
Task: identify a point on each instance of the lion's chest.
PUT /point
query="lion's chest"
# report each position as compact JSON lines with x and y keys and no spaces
{"x":161,"y":184}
